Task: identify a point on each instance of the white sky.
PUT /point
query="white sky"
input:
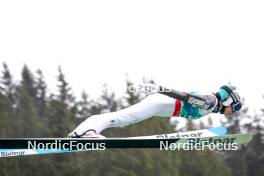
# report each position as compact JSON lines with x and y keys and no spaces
{"x":186,"y":45}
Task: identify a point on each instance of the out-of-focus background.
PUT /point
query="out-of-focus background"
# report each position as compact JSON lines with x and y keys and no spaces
{"x":63,"y":61}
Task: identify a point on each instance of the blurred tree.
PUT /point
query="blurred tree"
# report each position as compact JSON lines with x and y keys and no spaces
{"x":41,"y":87}
{"x":235,"y":160}
{"x":7,"y":85}
{"x":62,"y":108}
{"x":28,"y":124}
{"x":7,"y":101}
{"x":28,"y":82}
{"x":255,"y":154}
{"x":108,"y":100}
{"x":83,"y":106}
{"x":202,"y":163}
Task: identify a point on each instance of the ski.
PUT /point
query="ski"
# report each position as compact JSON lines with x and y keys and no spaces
{"x":37,"y":146}
{"x":210,"y":132}
{"x":217,"y":131}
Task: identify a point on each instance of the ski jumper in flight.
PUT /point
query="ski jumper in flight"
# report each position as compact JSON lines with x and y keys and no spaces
{"x":163,"y":104}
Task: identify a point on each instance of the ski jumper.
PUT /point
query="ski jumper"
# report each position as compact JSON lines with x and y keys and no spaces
{"x":153,"y":105}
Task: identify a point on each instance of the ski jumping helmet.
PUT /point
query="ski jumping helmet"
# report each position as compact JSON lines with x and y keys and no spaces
{"x":229,"y":97}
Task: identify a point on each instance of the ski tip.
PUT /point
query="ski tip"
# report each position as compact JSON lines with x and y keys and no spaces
{"x":220,"y":131}
{"x":249,"y":137}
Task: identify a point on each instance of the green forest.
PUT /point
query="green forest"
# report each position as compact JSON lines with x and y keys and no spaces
{"x":28,"y":109}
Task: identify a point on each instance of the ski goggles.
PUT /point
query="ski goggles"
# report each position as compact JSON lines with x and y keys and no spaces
{"x":236,"y":106}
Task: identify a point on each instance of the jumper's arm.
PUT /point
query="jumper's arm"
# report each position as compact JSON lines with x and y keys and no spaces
{"x":205,"y":102}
